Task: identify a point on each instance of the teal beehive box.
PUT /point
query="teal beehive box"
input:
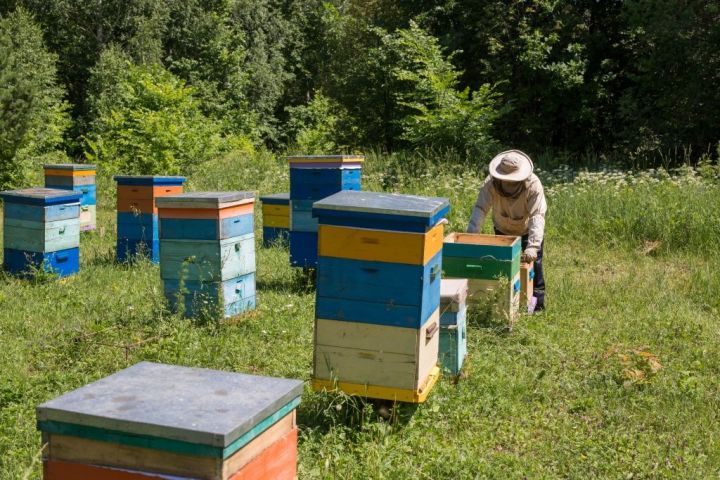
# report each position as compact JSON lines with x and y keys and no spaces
{"x":453,"y":324}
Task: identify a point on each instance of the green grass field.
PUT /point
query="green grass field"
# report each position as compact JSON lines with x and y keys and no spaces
{"x":618,"y":379}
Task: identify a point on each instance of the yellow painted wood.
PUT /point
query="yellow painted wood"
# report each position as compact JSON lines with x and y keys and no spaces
{"x":383,"y":393}
{"x":506,"y":301}
{"x":378,"y":355}
{"x":69,"y":173}
{"x":526,"y":284}
{"x":380,"y":245}
{"x":80,"y":450}
{"x":272,"y":209}
{"x":276,"y":221}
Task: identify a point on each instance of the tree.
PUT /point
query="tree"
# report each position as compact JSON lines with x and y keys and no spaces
{"x":33,"y":115}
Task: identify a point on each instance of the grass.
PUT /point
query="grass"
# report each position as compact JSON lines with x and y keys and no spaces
{"x":619,"y":379}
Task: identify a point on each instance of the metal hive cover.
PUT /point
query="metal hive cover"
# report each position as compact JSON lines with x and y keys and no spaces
{"x":69,"y":166}
{"x":275,"y":196}
{"x":189,"y":404}
{"x":383,"y":203}
{"x":203,"y":199}
{"x":40,"y":195}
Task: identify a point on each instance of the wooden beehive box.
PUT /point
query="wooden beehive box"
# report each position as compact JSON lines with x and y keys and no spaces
{"x":79,"y":178}
{"x":163,"y":421}
{"x":276,"y":218}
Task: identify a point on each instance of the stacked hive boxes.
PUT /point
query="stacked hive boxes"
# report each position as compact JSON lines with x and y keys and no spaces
{"x":137,"y":219}
{"x":276,"y":218}
{"x":491,"y":263}
{"x":378,"y":294}
{"x":313,"y":178}
{"x":527,"y":283}
{"x":154,"y":421}
{"x":207,"y":252}
{"x":453,"y":324}
{"x":78,"y":178}
{"x":41,"y":230}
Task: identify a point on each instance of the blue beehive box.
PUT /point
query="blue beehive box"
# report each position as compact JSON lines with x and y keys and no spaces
{"x":314,"y":177}
{"x":207,"y":252}
{"x":42,"y":230}
{"x":78,"y":178}
{"x":137,"y":219}
{"x":453,"y":324}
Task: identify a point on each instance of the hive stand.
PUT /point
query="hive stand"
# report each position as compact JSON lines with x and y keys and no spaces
{"x":491,"y":263}
{"x":378,"y":294}
{"x":137,"y":213}
{"x":41,"y":228}
{"x":153,"y":421}
{"x":276,"y":218}
{"x":79,"y":178}
{"x":207,"y":252}
{"x":312,"y":178}
{"x":453,"y":324}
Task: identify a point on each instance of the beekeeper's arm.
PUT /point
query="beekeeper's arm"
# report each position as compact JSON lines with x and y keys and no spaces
{"x":482,"y":206}
{"x":536,"y":224}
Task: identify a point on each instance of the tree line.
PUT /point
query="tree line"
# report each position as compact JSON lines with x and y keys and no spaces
{"x":150,"y":86}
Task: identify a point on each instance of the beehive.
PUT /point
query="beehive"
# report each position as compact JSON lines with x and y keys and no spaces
{"x":155,"y":421}
{"x":41,"y":228}
{"x":276,"y":218}
{"x":527,"y":283}
{"x":314,"y":177}
{"x":79,"y":178}
{"x":137,"y":213}
{"x":378,"y":294}
{"x":453,"y":324}
{"x":491,"y":263}
{"x":207,"y":252}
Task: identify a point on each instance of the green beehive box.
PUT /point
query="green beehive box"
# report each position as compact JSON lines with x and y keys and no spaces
{"x":479,"y":256}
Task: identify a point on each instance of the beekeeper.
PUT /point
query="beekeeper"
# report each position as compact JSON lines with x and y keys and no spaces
{"x":517,"y":200}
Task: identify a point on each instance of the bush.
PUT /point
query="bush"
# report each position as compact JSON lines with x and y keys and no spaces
{"x":147,"y":121}
{"x":33,"y":115}
{"x":315,"y":128}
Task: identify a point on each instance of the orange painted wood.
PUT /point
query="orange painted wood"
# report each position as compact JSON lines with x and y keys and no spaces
{"x":57,"y":470}
{"x":131,"y":198}
{"x":277,"y":462}
{"x":211,"y":213}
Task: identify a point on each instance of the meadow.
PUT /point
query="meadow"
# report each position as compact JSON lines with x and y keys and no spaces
{"x":619,"y":378}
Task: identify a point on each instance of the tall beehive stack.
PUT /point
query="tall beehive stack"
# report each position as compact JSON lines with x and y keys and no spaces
{"x":312,"y":178}
{"x":207,"y":252}
{"x":276,"y":218}
{"x":137,"y":213}
{"x":491,"y":263}
{"x":41,"y":230}
{"x":155,"y":421}
{"x":79,"y":178}
{"x":453,"y":324}
{"x":378,"y":294}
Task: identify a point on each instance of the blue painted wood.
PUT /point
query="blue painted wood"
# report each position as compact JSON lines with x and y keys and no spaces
{"x":350,"y":218}
{"x":128,"y":248}
{"x":303,"y":249}
{"x":206,"y":228}
{"x":453,"y":344}
{"x":62,"y":262}
{"x":453,"y":318}
{"x":40,"y":196}
{"x":276,"y":199}
{"x":88,"y":192}
{"x":141,"y":226}
{"x":370,"y":312}
{"x":317,"y":183}
{"x":148,"y":180}
{"x":227,"y":292}
{"x":387,"y":284}
{"x":198,"y":307}
{"x":41,"y":214}
{"x":207,"y":260}
{"x":274,"y":236}
{"x":168,"y":444}
{"x":41,"y":236}
{"x":490,"y":252}
{"x":303,"y":221}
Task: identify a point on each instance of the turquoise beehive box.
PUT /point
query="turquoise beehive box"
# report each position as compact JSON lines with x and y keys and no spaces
{"x":453,"y":324}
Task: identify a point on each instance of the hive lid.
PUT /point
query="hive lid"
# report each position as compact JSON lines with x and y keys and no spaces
{"x":148,"y":180}
{"x":40,"y":196}
{"x":383,"y":203}
{"x":205,"y":199}
{"x":325,"y":158}
{"x":69,"y":166}
{"x":194,"y":405}
{"x":276,"y":198}
{"x":453,"y":293}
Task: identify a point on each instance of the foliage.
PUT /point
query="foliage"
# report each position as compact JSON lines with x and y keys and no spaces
{"x":147,"y":122}
{"x":314,"y":128}
{"x":33,"y":115}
